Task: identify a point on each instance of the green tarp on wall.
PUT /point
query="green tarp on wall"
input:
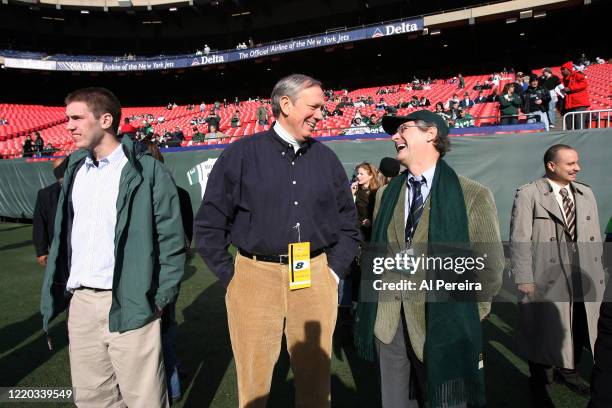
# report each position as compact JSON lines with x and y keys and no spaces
{"x":501,"y":162}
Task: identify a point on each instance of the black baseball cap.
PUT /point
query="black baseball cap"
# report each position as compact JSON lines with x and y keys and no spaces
{"x":391,"y":123}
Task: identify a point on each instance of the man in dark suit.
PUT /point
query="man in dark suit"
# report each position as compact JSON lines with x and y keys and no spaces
{"x":43,"y":219}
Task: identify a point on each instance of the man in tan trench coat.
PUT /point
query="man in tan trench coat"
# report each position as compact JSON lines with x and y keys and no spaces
{"x":556,"y":262}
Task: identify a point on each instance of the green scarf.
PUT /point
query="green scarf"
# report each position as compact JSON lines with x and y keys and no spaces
{"x":453,"y":342}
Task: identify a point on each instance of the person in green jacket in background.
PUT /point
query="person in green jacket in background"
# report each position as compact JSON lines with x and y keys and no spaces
{"x":509,"y":104}
{"x":116,"y":259}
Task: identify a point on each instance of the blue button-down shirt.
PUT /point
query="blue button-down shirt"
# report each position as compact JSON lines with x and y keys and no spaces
{"x":94,"y":198}
{"x":257,"y":192}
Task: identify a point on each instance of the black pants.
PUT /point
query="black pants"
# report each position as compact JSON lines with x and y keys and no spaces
{"x":542,"y":374}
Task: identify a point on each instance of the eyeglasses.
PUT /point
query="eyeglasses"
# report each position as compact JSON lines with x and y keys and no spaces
{"x":402,"y":128}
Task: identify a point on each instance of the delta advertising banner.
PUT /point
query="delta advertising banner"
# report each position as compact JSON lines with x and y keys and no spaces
{"x":187,"y":61}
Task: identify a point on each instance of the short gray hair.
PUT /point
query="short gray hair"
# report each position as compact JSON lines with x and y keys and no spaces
{"x":290,"y":86}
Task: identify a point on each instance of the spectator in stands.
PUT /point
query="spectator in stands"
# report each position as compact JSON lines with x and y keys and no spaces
{"x":262,"y":115}
{"x":576,"y":96}
{"x":234,"y":212}
{"x":464,"y":120}
{"x":550,"y":81}
{"x":178,"y":134}
{"x":337,"y":111}
{"x":49,"y":150}
{"x":424,"y":101}
{"x":127,"y":128}
{"x":401,"y":104}
{"x":213,"y":118}
{"x":235,"y":121}
{"x":202,"y":107}
{"x":453,"y":111}
{"x":461,"y":81}
{"x":325,"y":112}
{"x":509,"y":105}
{"x":206,"y":49}
{"x":519,"y":85}
{"x":374,"y":124}
{"x":414,"y":101}
{"x":493,"y":96}
{"x":169,"y":106}
{"x":39,"y":144}
{"x":120,"y":286}
{"x":536,"y":102}
{"x":439,"y":110}
{"x":43,"y":219}
{"x":28,"y":146}
{"x":480,"y":98}
{"x":4,"y":121}
{"x":449,"y":103}
{"x":214,"y":134}
{"x":198,"y":137}
{"x":466,"y":102}
{"x":381,"y":105}
{"x":600,"y":60}
{"x":370,"y":101}
{"x":161,"y":119}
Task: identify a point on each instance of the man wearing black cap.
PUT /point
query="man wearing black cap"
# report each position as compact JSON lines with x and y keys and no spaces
{"x":43,"y":218}
{"x":536,"y":101}
{"x":433,"y":358}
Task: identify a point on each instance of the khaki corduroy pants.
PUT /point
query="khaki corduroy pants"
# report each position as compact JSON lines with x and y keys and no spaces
{"x":259,"y":307}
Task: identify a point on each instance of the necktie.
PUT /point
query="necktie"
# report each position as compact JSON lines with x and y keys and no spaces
{"x":570,"y":214}
{"x":416,"y":207}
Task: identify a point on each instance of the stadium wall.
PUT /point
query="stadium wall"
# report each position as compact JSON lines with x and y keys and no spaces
{"x":501,"y":162}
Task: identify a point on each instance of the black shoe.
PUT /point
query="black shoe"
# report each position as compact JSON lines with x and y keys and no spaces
{"x":540,"y":394}
{"x":571,"y":380}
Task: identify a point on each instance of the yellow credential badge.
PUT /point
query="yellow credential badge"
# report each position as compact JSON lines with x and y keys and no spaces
{"x":299,"y":265}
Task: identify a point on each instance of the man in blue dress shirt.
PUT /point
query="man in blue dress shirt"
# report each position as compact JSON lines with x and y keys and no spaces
{"x":264,"y":193}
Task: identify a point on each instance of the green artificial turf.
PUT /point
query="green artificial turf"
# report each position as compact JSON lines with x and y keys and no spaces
{"x":204,"y":349}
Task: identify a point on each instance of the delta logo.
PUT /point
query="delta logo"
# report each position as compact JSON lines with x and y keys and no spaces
{"x":213,"y":59}
{"x":377,"y":33}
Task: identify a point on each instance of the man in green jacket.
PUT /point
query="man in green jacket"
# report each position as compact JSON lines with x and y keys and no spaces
{"x":116,"y":259}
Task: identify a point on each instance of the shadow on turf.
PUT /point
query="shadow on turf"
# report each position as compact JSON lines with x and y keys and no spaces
{"x":15,"y":333}
{"x":16,"y":245}
{"x":205,"y":353}
{"x":15,"y":228}
{"x":22,"y":361}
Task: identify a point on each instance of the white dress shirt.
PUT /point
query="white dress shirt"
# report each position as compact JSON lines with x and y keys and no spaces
{"x":556,"y":190}
{"x":286,"y":136}
{"x":94,"y":198}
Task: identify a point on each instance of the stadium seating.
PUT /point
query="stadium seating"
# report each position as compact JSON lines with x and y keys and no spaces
{"x":51,"y":121}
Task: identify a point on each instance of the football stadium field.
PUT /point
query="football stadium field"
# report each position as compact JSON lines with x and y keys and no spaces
{"x":204,"y":349}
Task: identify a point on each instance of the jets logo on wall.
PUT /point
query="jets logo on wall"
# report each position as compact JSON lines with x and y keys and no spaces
{"x":199,"y":174}
{"x":377,"y":33}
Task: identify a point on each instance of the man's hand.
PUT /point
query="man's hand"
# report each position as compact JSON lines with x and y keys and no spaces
{"x":42,"y":260}
{"x":527,"y":288}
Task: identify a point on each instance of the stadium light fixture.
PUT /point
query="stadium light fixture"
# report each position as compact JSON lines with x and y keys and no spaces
{"x":84,"y":11}
{"x":511,"y":20}
{"x":149,"y":7}
{"x":522,"y":34}
{"x":425,"y":31}
{"x":435,"y":32}
{"x":105,"y":8}
{"x":4,"y":1}
{"x":526,"y":14}
{"x":587,"y":2}
{"x":445,"y":45}
{"x":172,"y":9}
{"x":472,"y":21}
{"x":244,"y":13}
{"x":539,"y":14}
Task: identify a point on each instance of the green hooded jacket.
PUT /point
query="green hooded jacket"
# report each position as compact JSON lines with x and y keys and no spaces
{"x":149,"y":243}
